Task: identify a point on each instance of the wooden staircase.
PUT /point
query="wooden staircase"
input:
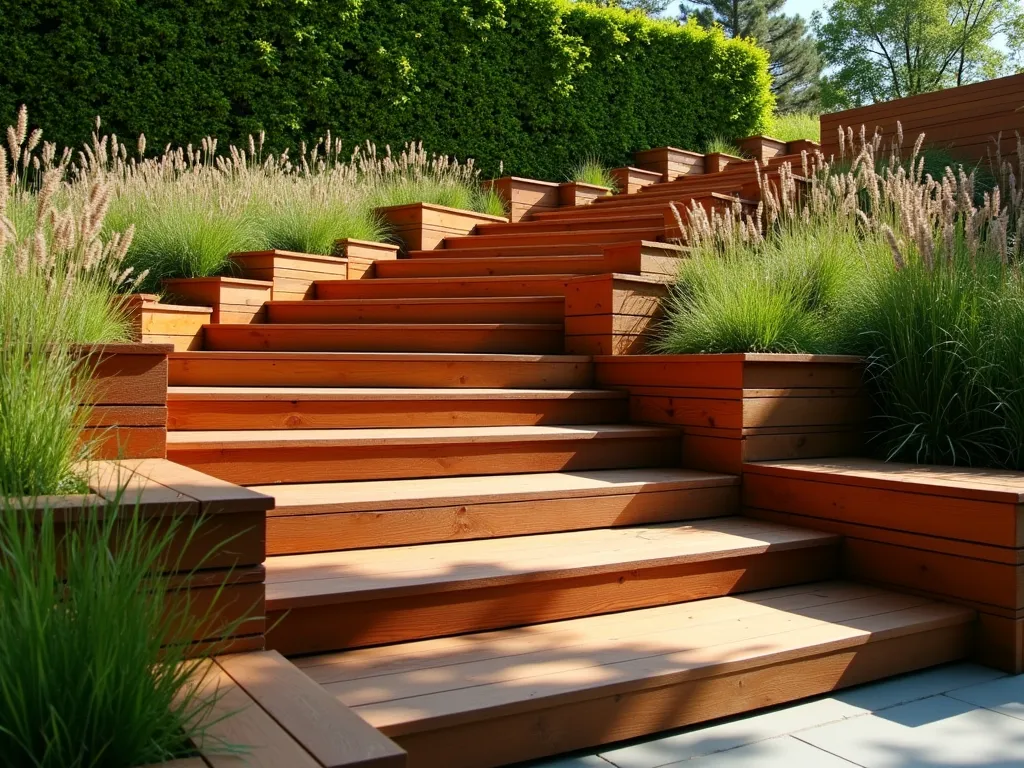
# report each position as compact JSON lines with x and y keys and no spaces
{"x":475,"y":549}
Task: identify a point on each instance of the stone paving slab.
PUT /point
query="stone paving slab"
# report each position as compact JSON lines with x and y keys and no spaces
{"x":906,"y":714}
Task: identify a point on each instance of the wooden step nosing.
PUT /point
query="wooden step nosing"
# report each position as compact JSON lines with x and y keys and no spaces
{"x":418,"y":300}
{"x":447,"y":583}
{"x":419,"y":357}
{"x":388,"y":394}
{"x":933,"y":616}
{"x":346,"y":438}
{"x":371,"y":327}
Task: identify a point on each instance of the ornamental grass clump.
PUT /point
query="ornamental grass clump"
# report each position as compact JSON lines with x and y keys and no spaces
{"x":95,"y":670}
{"x":877,"y":257}
{"x":590,"y":170}
{"x":58,"y":281}
{"x":794,"y":126}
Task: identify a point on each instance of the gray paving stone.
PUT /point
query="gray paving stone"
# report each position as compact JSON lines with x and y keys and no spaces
{"x":783,"y":752}
{"x":588,"y":761}
{"x":918,"y":685}
{"x":937,"y":732}
{"x":730,"y":734}
{"x":1005,"y":695}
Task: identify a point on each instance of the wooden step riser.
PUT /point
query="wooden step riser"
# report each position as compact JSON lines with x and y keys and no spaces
{"x":567,"y":224}
{"x":554,"y":238}
{"x":369,"y":414}
{"x":377,"y":621}
{"x":521,"y":339}
{"x":481,"y":249}
{"x":615,"y":716}
{"x":634,"y":264}
{"x":441,"y":288}
{"x":314,"y":371}
{"x":289,"y":534}
{"x":257,"y":466}
{"x":539,"y":311}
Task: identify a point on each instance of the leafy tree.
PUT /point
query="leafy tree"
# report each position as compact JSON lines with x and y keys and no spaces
{"x":887,"y":49}
{"x":650,"y":7}
{"x":794,"y":61}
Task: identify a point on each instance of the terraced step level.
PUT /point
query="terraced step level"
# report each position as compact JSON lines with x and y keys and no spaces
{"x":275,"y":408}
{"x":247,"y":457}
{"x":496,"y":698}
{"x":435,"y":309}
{"x":319,"y":517}
{"x":510,"y":338}
{"x":335,"y":600}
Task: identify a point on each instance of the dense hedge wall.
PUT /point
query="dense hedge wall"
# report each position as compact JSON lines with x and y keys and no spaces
{"x":534,"y":83}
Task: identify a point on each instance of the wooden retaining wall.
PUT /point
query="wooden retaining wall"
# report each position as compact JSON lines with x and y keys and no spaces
{"x":964,"y":120}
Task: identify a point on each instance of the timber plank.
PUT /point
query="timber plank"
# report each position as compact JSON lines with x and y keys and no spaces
{"x":329,"y":731}
{"x":475,"y":310}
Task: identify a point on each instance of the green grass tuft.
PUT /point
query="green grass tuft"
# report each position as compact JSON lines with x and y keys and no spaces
{"x":794,"y":126}
{"x":723,"y":146}
{"x":590,"y":170}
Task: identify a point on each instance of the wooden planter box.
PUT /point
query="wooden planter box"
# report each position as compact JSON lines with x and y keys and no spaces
{"x":291,"y":274}
{"x":523,"y":197}
{"x":578,"y":193}
{"x":220,"y":566}
{"x":762,"y":148}
{"x":745,"y":407}
{"x":716,"y":162}
{"x":276,"y":715}
{"x":669,"y":162}
{"x":802,"y":145}
{"x":128,"y":399}
{"x":154,"y":322}
{"x":956,"y":534}
{"x":612,"y":314}
{"x":361,"y":254}
{"x":630,"y":179}
{"x":233,"y":299}
{"x":424,"y":226}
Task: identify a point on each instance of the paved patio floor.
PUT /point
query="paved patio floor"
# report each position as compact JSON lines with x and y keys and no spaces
{"x":957,"y":715}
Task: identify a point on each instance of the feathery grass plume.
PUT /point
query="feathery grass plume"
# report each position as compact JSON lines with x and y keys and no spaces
{"x":590,"y":170}
{"x":96,"y":669}
{"x":58,"y":279}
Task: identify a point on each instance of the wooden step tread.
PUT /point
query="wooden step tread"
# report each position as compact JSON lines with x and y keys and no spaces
{"x":179,"y":394}
{"x":312,"y":438}
{"x":735,"y":653}
{"x":295,"y":581}
{"x":320,"y":498}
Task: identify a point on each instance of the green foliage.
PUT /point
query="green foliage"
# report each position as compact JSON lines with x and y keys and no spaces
{"x":723,"y":146}
{"x":795,"y":64}
{"x":590,"y":170}
{"x":794,"y":126}
{"x":781,"y":297}
{"x":93,"y":672}
{"x":534,"y":83}
{"x":878,"y":50}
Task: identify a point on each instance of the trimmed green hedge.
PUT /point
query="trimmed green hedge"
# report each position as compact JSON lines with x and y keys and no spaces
{"x":534,"y":83}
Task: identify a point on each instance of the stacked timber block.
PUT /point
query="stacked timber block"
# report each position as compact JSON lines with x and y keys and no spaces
{"x":128,"y":399}
{"x":524,"y":197}
{"x":574,"y":193}
{"x":154,"y":322}
{"x":361,"y":254}
{"x":630,"y":180}
{"x":612,"y":314}
{"x":669,"y":162}
{"x":802,"y":145}
{"x":762,"y":148}
{"x":737,"y":408}
{"x":219,"y":542}
{"x":291,"y":274}
{"x":716,"y":162}
{"x":233,"y":299}
{"x":424,"y":226}
{"x":953,"y":533}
